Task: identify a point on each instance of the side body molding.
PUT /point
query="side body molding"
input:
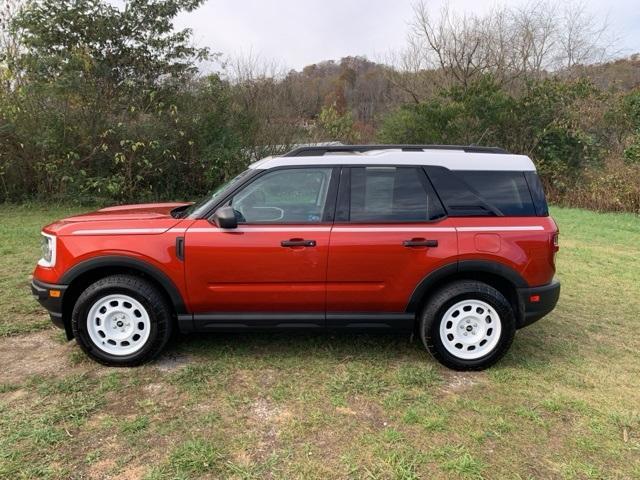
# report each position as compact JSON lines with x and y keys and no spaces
{"x":128,"y":262}
{"x":472,"y":266}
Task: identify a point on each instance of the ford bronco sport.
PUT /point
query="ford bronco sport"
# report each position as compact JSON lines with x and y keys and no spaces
{"x":453,"y":243}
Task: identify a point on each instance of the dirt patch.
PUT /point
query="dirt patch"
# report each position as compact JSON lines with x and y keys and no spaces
{"x":123,"y":404}
{"x":241,"y":379}
{"x":132,"y":473}
{"x":245,"y":379}
{"x":363,"y":411}
{"x":36,"y":353}
{"x":107,"y":469}
{"x":163,"y":394}
{"x":267,"y":378}
{"x":242,"y":457}
{"x":100,"y":470}
{"x":370,"y":412}
{"x":264,"y":411}
{"x":104,"y":430}
{"x":455,"y":383}
{"x":170,"y":362}
{"x":269,"y":418}
{"x":346,"y":411}
{"x":16,"y":395}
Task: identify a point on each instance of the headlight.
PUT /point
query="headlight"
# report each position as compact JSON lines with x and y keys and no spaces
{"x":48,"y":247}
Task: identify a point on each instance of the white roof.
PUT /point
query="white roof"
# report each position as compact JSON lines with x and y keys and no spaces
{"x":451,"y":159}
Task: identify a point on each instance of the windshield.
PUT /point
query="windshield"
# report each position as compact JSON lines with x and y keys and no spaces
{"x":216,"y":193}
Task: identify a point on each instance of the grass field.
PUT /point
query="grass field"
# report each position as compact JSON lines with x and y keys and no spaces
{"x":564,"y":403}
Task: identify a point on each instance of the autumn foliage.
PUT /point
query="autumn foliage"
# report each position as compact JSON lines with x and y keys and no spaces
{"x":101,"y":104}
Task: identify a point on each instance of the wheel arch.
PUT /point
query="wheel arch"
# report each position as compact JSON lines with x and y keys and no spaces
{"x":501,"y":277}
{"x":88,"y":271}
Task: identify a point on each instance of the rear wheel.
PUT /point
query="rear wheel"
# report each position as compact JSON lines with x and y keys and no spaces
{"x":468,"y":325}
{"x":121,"y":320}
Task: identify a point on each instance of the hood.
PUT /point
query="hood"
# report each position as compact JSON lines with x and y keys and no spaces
{"x":124,"y":219}
{"x":142,"y":211}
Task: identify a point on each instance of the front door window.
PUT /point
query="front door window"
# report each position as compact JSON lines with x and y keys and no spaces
{"x":295,"y":195}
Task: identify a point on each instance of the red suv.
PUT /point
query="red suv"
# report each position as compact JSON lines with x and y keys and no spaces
{"x":453,"y":243}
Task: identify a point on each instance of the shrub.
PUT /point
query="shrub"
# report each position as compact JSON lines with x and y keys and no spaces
{"x":103,"y":105}
{"x":612,"y":188}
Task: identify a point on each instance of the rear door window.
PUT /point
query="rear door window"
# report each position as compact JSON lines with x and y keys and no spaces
{"x":391,"y":194}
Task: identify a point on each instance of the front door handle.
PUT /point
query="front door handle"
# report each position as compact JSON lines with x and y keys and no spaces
{"x":298,"y":242}
{"x":420,"y":242}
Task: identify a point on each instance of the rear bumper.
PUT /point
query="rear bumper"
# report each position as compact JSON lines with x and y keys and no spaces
{"x":43,"y":293}
{"x":532,"y":310}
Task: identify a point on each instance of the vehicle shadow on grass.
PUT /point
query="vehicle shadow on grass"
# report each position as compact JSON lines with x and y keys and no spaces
{"x":530,"y":350}
{"x":296,"y":345}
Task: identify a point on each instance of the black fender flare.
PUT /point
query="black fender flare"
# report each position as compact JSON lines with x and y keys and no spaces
{"x":128,"y":262}
{"x":444,"y":272}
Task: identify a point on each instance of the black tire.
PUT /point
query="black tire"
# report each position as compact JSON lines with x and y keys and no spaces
{"x":147,"y":295}
{"x":434,"y":311}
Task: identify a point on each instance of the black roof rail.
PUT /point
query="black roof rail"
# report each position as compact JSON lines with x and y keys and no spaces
{"x":314,"y":151}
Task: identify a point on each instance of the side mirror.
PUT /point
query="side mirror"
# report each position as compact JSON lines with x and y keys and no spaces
{"x":225,"y":217}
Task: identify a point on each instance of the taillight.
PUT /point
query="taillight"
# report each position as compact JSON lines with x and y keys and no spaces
{"x":556,"y":241}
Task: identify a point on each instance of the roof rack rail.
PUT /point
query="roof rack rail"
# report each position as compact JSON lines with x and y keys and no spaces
{"x":323,"y":150}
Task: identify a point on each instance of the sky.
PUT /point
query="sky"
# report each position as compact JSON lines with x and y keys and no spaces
{"x":295,"y":33}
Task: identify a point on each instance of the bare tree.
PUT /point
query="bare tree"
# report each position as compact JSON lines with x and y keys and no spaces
{"x":526,"y":41}
{"x":413,"y":78}
{"x":260,"y":90}
{"x":536,"y":29}
{"x":452,"y":43}
{"x":582,"y":37}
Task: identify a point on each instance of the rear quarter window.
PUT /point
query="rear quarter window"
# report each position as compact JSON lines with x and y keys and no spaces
{"x":537,"y":193}
{"x":481,"y":193}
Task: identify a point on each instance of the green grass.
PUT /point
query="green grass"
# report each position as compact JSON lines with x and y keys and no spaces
{"x":19,"y":251}
{"x":564,"y":403}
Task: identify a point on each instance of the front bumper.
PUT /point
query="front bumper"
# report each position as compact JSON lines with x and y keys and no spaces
{"x":536,"y":302}
{"x":46,"y":295}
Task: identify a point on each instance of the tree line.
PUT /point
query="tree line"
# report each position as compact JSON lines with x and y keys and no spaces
{"x":100,"y":103}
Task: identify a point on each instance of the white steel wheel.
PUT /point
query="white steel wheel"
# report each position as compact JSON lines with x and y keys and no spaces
{"x":118,"y":324}
{"x":470,"y":329}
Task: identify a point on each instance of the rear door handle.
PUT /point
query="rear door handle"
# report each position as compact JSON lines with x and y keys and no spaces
{"x":298,"y":242}
{"x":420,"y":242}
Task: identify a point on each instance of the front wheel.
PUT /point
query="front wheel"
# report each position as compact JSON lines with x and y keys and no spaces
{"x":121,"y":320}
{"x":468,"y":325}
